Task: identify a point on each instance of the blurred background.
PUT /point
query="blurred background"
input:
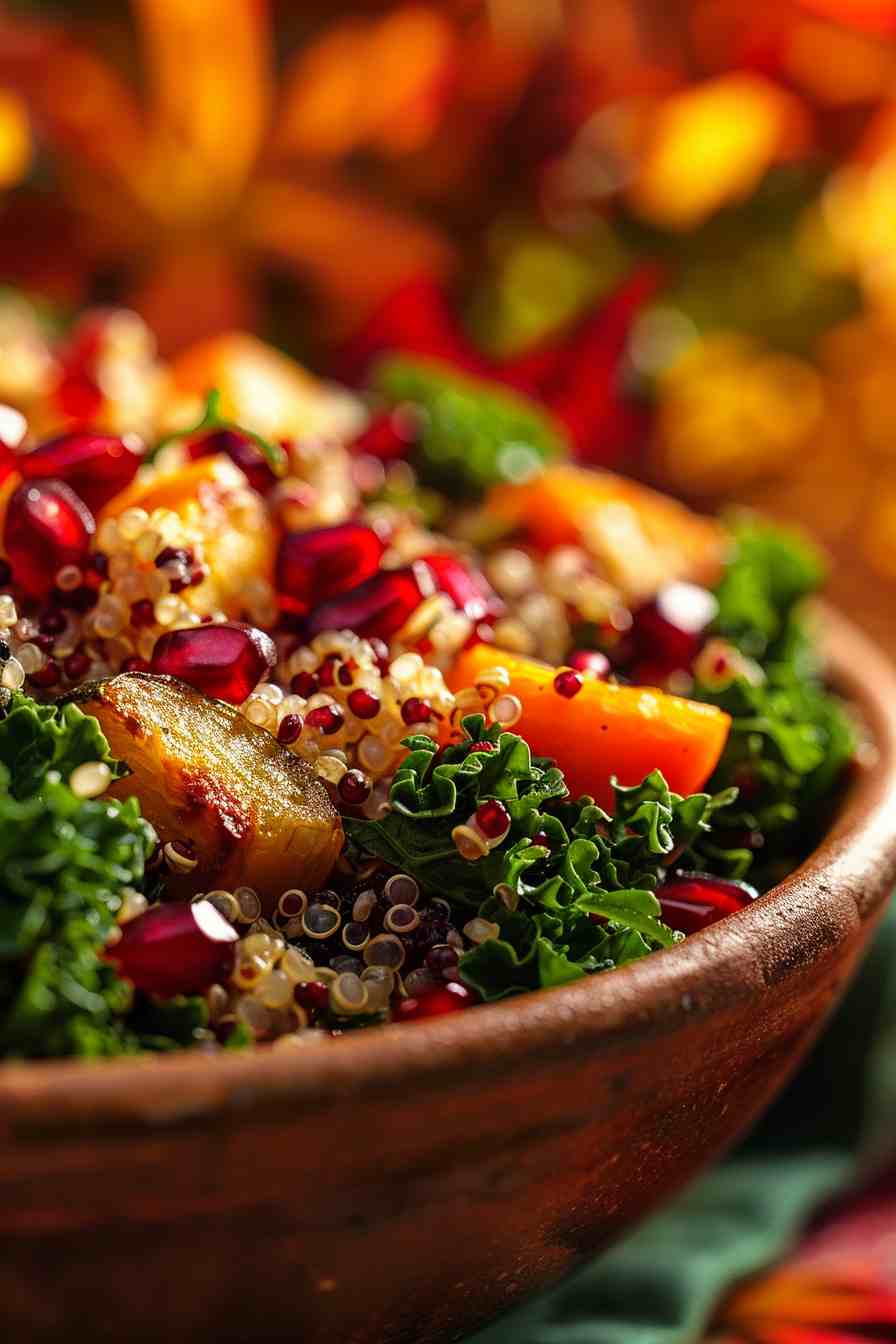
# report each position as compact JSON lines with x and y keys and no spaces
{"x":692,"y":202}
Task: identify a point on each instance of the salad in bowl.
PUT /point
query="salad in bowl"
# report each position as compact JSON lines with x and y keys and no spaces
{"x":395,"y":715}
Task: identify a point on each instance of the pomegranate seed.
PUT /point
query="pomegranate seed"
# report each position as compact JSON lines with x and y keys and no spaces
{"x":568,"y":683}
{"x":590,"y":660}
{"x":135,"y":664}
{"x":363,"y":703}
{"x":242,"y":450}
{"x":290,"y":729}
{"x":389,"y":437}
{"x":380,"y":605}
{"x":450,"y":998}
{"x":493,"y":819}
{"x":442,"y":959}
{"x":354,"y":788}
{"x":75,"y":666}
{"x":693,"y":901}
{"x":46,"y":676}
{"x":44,"y":643}
{"x":47,"y":526}
{"x":224,"y":661}
{"x":143,"y":612}
{"x":326,"y":673}
{"x":95,"y":465}
{"x":304,"y":684}
{"x":416,"y":710}
{"x":669,"y":631}
{"x":482,"y":746}
{"x":52,"y":622}
{"x":314,"y":566}
{"x":542,"y":838}
{"x":326,"y":718}
{"x":78,"y":396}
{"x":469,"y":590}
{"x":312,"y":996}
{"x":177,"y":948}
{"x":174,"y":555}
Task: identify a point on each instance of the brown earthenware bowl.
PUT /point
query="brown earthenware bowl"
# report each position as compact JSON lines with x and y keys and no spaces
{"x":408,"y":1184}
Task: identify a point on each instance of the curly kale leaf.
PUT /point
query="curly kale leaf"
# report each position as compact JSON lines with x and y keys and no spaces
{"x":35,"y":738}
{"x":473,"y":433}
{"x":64,"y":861}
{"x":571,"y":887}
{"x":771,"y":570}
{"x":790,"y":738}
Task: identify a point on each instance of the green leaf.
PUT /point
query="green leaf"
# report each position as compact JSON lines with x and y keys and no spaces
{"x":474,"y":434}
{"x":35,"y":738}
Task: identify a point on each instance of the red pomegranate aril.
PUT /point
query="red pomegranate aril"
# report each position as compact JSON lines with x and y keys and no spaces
{"x":326,"y":719}
{"x":483,"y":746}
{"x":47,"y":526}
{"x":326,"y":673}
{"x":568,"y":683}
{"x":46,"y":676}
{"x":438,"y":1002}
{"x":178,"y":948}
{"x":314,"y":566}
{"x":389,"y":437}
{"x":442,"y":960}
{"x":693,"y":901}
{"x":542,"y":838}
{"x":224,"y":661}
{"x":75,"y":666}
{"x":416,"y":710}
{"x":590,"y":661}
{"x":290,"y":729}
{"x":380,"y":605}
{"x":95,"y":465}
{"x":242,"y":450}
{"x":363,"y":703}
{"x":469,"y":590}
{"x":670,"y":630}
{"x":304,"y":684}
{"x":143,"y":612}
{"x":312,"y":996}
{"x":173,"y":555}
{"x":78,"y":396}
{"x":493,"y":819}
{"x":354,"y":788}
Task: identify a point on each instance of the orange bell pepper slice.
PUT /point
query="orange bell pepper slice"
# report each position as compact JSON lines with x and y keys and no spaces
{"x":605,"y":729}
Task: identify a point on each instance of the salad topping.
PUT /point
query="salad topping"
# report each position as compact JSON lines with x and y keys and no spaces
{"x":301,"y":736}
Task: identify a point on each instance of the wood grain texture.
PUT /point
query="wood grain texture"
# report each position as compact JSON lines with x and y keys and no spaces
{"x":408,"y":1184}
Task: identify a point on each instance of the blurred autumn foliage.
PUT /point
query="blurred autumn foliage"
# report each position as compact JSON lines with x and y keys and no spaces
{"x":328,"y":174}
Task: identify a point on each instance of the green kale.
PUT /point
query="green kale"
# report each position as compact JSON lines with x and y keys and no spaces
{"x":582,"y":902}
{"x":473,"y":434}
{"x":64,"y":862}
{"x":790,"y":737}
{"x":36,"y":738}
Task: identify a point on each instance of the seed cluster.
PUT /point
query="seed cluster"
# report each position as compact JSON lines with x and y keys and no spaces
{"x":335,"y":959}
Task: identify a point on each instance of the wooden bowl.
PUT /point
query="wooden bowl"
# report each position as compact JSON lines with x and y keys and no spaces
{"x":408,"y":1184}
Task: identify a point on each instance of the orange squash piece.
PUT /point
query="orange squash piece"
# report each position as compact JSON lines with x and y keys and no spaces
{"x":213,"y":496}
{"x":640,"y":537}
{"x":605,"y":729}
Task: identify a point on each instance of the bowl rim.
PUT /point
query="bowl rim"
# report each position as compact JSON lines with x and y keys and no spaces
{"x":844,"y":882}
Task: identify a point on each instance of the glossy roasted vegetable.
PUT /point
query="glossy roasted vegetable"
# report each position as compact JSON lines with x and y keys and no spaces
{"x":255,"y":815}
{"x":596,"y":731}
